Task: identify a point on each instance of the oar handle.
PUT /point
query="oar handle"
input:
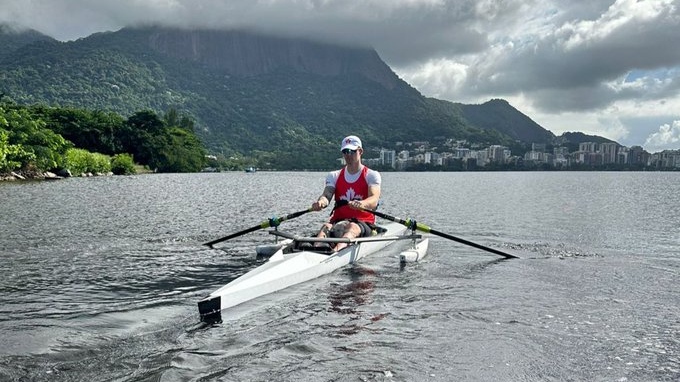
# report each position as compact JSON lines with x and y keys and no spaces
{"x":291,"y":216}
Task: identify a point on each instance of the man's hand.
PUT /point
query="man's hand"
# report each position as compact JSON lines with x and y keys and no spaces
{"x":356,"y":204}
{"x":320,"y":204}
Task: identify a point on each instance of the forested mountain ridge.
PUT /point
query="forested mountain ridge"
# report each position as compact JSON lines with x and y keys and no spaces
{"x":12,"y":40}
{"x":506,"y":119}
{"x":281,"y":100}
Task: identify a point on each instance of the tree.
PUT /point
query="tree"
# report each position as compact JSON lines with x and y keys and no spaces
{"x":163,"y":147}
{"x":11,"y":156}
{"x":181,"y":151}
{"x":91,"y":130}
{"x":123,"y":164}
{"x":33,"y":143}
{"x":139,"y":136}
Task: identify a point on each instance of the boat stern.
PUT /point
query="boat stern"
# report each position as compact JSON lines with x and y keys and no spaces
{"x":210,"y":309}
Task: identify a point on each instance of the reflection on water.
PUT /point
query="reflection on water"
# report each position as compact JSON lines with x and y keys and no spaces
{"x":101,"y":277}
{"x":347,"y":298}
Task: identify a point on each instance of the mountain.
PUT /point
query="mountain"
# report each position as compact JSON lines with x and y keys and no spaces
{"x":246,"y":54}
{"x":571,"y":140}
{"x":281,"y":99}
{"x":497,"y":114}
{"x":12,"y":39}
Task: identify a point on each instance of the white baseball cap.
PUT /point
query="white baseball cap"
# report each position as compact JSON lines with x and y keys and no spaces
{"x":351,"y":142}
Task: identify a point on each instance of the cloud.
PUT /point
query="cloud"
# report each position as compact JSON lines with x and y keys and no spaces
{"x":667,"y":138}
{"x":611,"y":65}
{"x":580,"y":55}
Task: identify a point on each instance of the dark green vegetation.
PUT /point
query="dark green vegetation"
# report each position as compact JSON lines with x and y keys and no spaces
{"x":256,"y":100}
{"x":34,"y":139}
{"x":570,"y":140}
{"x":507,"y":120}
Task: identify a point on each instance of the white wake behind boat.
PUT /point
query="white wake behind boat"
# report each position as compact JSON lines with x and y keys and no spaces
{"x":289,"y":265}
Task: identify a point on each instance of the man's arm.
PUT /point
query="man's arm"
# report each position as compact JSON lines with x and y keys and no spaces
{"x":371,"y":202}
{"x":324,"y":199}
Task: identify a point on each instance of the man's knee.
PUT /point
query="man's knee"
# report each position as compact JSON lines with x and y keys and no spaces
{"x":340,"y":228}
{"x":357,"y":229}
{"x":364,"y":229}
{"x":325,"y":231}
{"x":350,"y":228}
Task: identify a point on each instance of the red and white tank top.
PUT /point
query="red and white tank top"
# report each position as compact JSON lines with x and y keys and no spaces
{"x":357,"y":190}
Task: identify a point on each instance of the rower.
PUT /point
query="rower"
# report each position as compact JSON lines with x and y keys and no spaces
{"x":355,"y":188}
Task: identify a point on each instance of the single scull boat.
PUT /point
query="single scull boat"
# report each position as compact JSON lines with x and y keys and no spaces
{"x":290,"y":265}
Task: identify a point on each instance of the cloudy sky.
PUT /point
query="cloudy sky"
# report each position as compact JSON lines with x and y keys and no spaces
{"x":604,"y":67}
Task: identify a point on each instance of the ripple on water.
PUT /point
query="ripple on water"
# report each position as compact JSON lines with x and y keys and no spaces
{"x":110,"y":292}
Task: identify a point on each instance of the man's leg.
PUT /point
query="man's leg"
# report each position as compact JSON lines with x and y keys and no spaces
{"x":351,"y":231}
{"x":324,"y":232}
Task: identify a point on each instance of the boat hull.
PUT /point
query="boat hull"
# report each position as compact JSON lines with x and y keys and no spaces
{"x":283,"y":270}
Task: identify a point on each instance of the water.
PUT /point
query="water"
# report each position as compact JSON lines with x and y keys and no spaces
{"x":100,"y":277}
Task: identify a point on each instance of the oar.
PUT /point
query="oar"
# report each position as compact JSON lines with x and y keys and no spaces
{"x":422,"y":227}
{"x":272,"y":222}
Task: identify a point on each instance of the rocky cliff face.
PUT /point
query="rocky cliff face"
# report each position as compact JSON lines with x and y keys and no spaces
{"x":243,"y":53}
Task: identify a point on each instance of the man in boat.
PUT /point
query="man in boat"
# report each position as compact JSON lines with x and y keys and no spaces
{"x":354,"y":186}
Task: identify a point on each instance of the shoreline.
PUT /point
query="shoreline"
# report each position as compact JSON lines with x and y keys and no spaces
{"x":34,"y":175}
{"x":21,"y":176}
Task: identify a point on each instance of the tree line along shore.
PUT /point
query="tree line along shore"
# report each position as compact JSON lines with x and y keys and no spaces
{"x":39,"y":142}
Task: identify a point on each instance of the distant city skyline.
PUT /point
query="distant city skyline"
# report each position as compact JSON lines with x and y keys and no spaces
{"x":589,"y":154}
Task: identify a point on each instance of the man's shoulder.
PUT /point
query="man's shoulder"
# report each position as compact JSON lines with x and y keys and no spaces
{"x":332,"y":177}
{"x":372,"y":171}
{"x":373,"y":177}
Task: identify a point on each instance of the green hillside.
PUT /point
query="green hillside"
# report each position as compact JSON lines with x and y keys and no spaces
{"x":506,"y":119}
{"x":12,"y":39}
{"x":285,"y":102}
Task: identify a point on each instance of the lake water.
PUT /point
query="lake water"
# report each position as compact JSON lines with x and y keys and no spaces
{"x":100,"y":277}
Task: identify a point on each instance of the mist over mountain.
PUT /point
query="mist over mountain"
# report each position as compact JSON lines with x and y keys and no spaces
{"x":249,"y":92}
{"x":12,"y":39}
